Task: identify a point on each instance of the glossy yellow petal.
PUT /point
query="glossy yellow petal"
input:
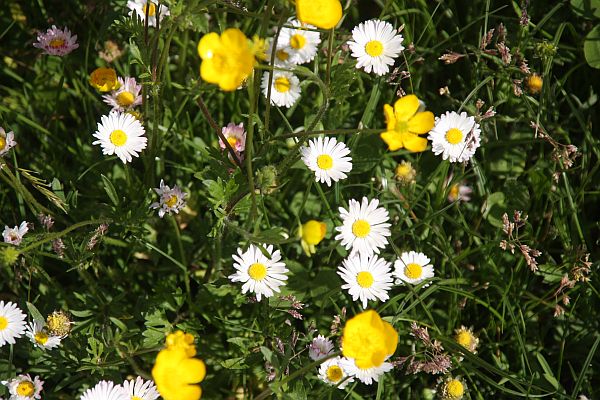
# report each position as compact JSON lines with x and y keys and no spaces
{"x":393,"y":139}
{"x":390,"y":118}
{"x":323,"y":14}
{"x":421,"y":123}
{"x":209,"y":72}
{"x":415,"y":143}
{"x":233,"y":39}
{"x":192,"y":370}
{"x":209,"y":45}
{"x":406,"y":107}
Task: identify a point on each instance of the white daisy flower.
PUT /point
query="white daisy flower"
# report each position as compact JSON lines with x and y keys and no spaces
{"x":141,"y":6}
{"x":413,"y":268}
{"x":12,"y":323}
{"x":40,"y":337}
{"x":285,"y":88}
{"x":15,"y":235}
{"x":56,"y":42}
{"x":126,"y":96}
{"x":171,"y":200}
{"x":455,"y":136}
{"x":140,"y":389}
{"x":333,"y":372}
{"x":300,"y":43}
{"x":367,"y":278}
{"x":260,"y":275}
{"x":364,"y":227}
{"x":24,"y":388}
{"x":375,"y":45}
{"x":121,"y":134}
{"x":282,"y":54}
{"x":328,"y":158}
{"x":105,"y":390}
{"x":367,"y":375}
{"x":320,"y":347}
{"x":7,"y":141}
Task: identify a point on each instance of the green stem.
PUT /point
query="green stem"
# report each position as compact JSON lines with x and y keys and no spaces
{"x":57,"y":235}
{"x":249,"y":150}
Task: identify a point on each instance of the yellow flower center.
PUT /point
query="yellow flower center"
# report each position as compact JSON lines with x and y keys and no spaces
{"x":56,"y":43}
{"x":453,"y":192}
{"x":282,"y":55}
{"x":334,"y":373}
{"x":25,"y":388}
{"x":232,"y":141}
{"x":297,"y":41}
{"x":403,"y":170}
{"x":535,"y":83}
{"x":58,"y":323}
{"x":455,"y":389}
{"x":172,"y":201}
{"x":413,"y":271}
{"x":2,"y":143}
{"x":135,"y":398}
{"x":324,"y":161}
{"x":125,"y":99}
{"x":282,"y":84}
{"x":401,"y":126}
{"x":361,"y":228}
{"x":454,"y":136}
{"x":3,"y":323}
{"x":257,"y":271}
{"x":464,"y":339}
{"x":374,"y":48}
{"x":41,"y":337}
{"x":118,"y":137}
{"x":150,"y":11}
{"x":364,"y":279}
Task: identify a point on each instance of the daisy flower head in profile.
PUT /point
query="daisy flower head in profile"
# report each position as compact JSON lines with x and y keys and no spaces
{"x":376,"y":45}
{"x":140,"y":389}
{"x":24,"y":388}
{"x":121,"y":134}
{"x":366,"y":375}
{"x":7,"y":141}
{"x":405,"y":123}
{"x":56,"y":42}
{"x":300,"y":42}
{"x":327,"y":158}
{"x":413,"y":268}
{"x":105,"y":390}
{"x":152,"y":8}
{"x":333,"y":373}
{"x":15,"y":235}
{"x":367,"y":278}
{"x":455,"y":136}
{"x":126,"y":96}
{"x":12,"y":323}
{"x":320,"y":347}
{"x":38,"y":334}
{"x":285,"y":88}
{"x":235,"y":135}
{"x":364,"y":227}
{"x":170,"y":200}
{"x":260,"y":275}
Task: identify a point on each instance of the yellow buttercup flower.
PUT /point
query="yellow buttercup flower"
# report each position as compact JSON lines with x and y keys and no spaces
{"x":104,"y":79}
{"x":323,"y":14}
{"x":311,"y":234}
{"x":405,"y":124}
{"x":176,"y":373}
{"x":368,"y":340}
{"x":228,"y":59}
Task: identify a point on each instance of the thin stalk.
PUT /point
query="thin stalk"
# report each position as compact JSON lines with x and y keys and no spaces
{"x":249,"y":150}
{"x":50,"y":237}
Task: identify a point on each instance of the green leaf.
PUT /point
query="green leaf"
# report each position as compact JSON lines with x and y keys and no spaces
{"x":118,"y":323}
{"x":591,"y":47}
{"x":586,"y":8}
{"x":37,"y":316}
{"x":110,"y":190}
{"x":234,"y":363}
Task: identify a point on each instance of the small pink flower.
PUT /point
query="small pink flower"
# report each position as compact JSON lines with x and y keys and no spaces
{"x":171,"y":200}
{"x":235,"y":135}
{"x":126,"y":96}
{"x":56,"y":42}
{"x":15,"y":235}
{"x":7,"y":141}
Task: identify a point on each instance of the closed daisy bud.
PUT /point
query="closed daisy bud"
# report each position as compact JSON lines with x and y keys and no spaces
{"x":466,"y":338}
{"x":534,"y":83}
{"x":104,"y":79}
{"x":311,"y":234}
{"x":405,"y":173}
